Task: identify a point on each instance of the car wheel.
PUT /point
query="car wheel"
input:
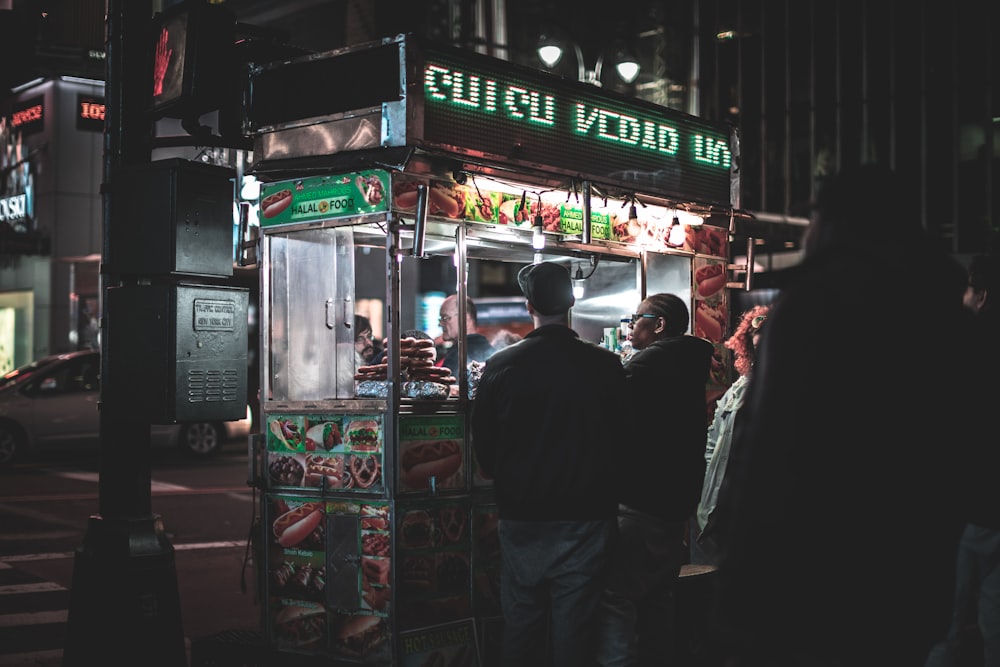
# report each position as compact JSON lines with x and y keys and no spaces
{"x":201,"y":438}
{"x":11,"y":443}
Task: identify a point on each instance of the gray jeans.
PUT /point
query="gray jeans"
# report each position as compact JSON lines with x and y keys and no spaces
{"x":550,"y":588}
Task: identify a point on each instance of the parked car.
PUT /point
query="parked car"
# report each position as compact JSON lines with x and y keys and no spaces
{"x":52,"y":405}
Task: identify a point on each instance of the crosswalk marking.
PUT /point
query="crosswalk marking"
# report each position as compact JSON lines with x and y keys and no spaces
{"x":95,"y":478}
{"x":40,"y":587}
{"x":33,"y":618}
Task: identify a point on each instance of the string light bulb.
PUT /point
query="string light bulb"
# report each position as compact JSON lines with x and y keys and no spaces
{"x":537,"y":229}
{"x":578,"y":279}
{"x":676,"y":236}
{"x":537,"y":233}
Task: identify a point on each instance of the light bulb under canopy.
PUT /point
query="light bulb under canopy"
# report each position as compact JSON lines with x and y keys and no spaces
{"x":550,"y":51}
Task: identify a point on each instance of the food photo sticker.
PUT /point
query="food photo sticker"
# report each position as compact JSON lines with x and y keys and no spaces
{"x":285,"y":433}
{"x":298,"y":575}
{"x":710,"y":318}
{"x":434,"y":574}
{"x":431,"y":453}
{"x":361,"y":637}
{"x":375,"y":544}
{"x":363,"y":440}
{"x":710,"y":277}
{"x":299,"y":625}
{"x":298,"y":523}
{"x":707,"y":240}
{"x":444,"y":200}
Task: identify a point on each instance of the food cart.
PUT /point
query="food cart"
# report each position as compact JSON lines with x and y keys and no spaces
{"x":394,"y":173}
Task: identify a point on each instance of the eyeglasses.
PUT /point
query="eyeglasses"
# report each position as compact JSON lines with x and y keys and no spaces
{"x":638,"y":316}
{"x":757,"y":321}
{"x":444,"y":319}
{"x":365,"y":336}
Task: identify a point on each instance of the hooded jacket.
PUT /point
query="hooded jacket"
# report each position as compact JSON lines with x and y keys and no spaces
{"x":666,"y":388}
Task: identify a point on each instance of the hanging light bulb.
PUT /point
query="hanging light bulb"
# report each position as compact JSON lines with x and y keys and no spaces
{"x":537,"y":229}
{"x":676,"y":236}
{"x":578,"y":281}
{"x":633,"y":215}
{"x":537,"y":233}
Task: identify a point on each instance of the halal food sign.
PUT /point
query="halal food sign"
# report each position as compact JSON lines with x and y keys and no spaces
{"x":528,"y":115}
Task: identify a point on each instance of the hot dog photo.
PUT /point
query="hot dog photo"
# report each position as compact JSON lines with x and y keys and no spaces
{"x":275,"y":203}
{"x":430,"y":462}
{"x":431,"y":453}
{"x":709,"y":278}
{"x":298,"y":524}
{"x":710,"y":320}
{"x":446,"y":200}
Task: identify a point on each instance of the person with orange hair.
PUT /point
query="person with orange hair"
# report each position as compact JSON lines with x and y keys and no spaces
{"x":743,"y":342}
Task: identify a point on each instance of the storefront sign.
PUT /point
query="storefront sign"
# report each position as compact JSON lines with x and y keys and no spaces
{"x":28,"y":116}
{"x":90,"y":113}
{"x":14,"y":210}
{"x":323,"y":197}
{"x":18,"y":185}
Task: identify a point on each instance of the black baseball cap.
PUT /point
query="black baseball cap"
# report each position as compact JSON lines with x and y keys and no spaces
{"x":547,"y":287}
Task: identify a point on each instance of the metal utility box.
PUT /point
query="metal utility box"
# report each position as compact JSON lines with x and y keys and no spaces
{"x":180,"y":351}
{"x":176,"y":218}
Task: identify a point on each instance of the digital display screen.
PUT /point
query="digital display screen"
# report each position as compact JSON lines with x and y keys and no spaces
{"x":516,"y":114}
{"x":90,"y":113}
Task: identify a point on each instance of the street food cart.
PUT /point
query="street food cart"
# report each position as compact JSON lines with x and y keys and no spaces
{"x":394,"y":173}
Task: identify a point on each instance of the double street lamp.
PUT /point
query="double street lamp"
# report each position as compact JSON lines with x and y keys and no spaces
{"x":550,"y":52}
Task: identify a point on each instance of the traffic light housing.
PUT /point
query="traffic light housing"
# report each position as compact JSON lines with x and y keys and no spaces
{"x":192,"y":59}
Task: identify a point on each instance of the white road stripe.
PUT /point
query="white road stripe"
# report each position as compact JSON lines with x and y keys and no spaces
{"x":35,"y":658}
{"x":34,"y":618}
{"x":40,"y":587}
{"x":95,"y":478}
{"x":5,"y":561}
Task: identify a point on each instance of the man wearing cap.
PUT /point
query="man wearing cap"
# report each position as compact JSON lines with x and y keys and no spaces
{"x":546,"y":428}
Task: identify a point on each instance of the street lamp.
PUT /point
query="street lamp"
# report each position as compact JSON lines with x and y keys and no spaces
{"x":550,"y":52}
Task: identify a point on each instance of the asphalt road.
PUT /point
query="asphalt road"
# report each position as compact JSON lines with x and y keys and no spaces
{"x":207,"y":508}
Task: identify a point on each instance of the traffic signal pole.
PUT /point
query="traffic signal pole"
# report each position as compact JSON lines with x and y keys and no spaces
{"x":124,"y":602}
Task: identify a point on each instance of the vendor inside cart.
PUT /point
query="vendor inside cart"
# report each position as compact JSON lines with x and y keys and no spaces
{"x":478,"y":347}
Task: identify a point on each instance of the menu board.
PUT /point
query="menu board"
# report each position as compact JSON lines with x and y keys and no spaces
{"x":327,"y":452}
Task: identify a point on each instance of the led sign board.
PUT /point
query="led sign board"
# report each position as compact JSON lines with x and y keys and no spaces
{"x":488,"y":106}
{"x":462,"y":102}
{"x":28,"y":116}
{"x":90,"y":113}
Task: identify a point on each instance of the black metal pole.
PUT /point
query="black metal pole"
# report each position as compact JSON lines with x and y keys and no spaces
{"x":124,"y":602}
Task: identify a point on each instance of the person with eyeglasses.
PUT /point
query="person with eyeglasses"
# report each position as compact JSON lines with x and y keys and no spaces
{"x":743,"y":343}
{"x":666,"y":381}
{"x":548,"y":429}
{"x":477,"y":346}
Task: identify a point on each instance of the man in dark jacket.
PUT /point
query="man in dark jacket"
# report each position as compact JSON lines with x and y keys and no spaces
{"x":847,"y":477}
{"x":546,"y":428}
{"x":667,"y":377}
